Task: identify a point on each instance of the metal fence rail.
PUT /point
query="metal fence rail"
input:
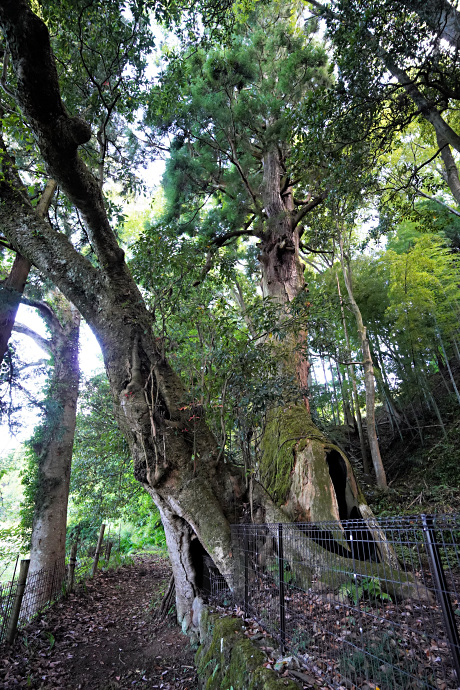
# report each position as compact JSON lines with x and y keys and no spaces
{"x":370,"y":604}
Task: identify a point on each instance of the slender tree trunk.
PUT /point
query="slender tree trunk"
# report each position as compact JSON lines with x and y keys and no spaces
{"x":359,"y":420}
{"x":336,"y":398}
{"x":386,"y":397}
{"x":368,"y":377}
{"x":451,"y":376}
{"x":347,"y":411}
{"x":326,"y":388}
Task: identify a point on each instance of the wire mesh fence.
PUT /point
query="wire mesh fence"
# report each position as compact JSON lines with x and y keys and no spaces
{"x":46,"y":586}
{"x":364,"y":603}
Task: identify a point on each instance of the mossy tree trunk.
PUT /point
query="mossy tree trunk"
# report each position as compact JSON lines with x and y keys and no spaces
{"x":304,"y":473}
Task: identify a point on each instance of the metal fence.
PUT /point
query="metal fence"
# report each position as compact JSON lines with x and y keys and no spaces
{"x":42,"y":588}
{"x":365,"y":604}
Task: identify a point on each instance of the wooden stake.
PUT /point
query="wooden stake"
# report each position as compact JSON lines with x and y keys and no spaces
{"x":15,"y":611}
{"x":72,"y":564}
{"x":108,"y":551}
{"x":98,"y":550}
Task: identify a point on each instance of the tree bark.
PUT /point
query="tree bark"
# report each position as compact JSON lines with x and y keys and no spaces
{"x":300,"y":469}
{"x":54,"y":446}
{"x":441,"y":17}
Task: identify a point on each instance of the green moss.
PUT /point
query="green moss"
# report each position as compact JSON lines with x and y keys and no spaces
{"x":227,"y":658}
{"x":287,"y":432}
{"x":264,"y":679}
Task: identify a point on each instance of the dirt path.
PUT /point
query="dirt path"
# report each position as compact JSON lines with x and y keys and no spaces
{"x":104,"y":637}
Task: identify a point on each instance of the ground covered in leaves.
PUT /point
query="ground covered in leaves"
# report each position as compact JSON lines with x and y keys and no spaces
{"x":104,"y":636}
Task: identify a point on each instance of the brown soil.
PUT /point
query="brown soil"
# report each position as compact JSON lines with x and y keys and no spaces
{"x":104,"y":637}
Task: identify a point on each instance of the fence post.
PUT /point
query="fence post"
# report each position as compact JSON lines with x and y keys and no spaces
{"x":281,"y":588}
{"x":442,"y":595}
{"x":246,"y":570}
{"x":98,"y":550}
{"x":16,"y":609}
{"x":108,"y":551}
{"x":72,"y":564}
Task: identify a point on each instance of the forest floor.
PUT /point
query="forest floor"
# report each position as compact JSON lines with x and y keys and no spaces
{"x":104,"y":636}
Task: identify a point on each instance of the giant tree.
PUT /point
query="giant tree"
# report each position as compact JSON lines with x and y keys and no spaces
{"x":195,"y":491}
{"x":230,"y":177}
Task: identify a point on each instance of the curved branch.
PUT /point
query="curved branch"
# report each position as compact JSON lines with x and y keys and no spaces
{"x":47,"y":314}
{"x":306,"y":208}
{"x":43,"y":343}
{"x":220,"y":240}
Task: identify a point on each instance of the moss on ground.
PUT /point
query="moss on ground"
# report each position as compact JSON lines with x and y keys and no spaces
{"x":228,"y":659}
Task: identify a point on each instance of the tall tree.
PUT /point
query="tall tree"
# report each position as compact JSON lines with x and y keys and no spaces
{"x":230,"y":176}
{"x":50,"y":449}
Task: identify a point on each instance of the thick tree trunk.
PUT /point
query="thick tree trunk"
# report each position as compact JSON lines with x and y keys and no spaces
{"x":309,"y":477}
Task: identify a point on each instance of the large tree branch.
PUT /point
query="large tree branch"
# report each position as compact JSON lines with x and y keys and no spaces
{"x":38,"y":339}
{"x":13,"y":287}
{"x":303,"y":210}
{"x":428,"y":111}
{"x":440,"y":16}
{"x":47,"y":314}
{"x":50,"y":251}
{"x":438,"y":201}
{"x":58,"y":134}
{"x":220,"y":241}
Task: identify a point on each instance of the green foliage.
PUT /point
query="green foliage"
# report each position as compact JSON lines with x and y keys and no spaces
{"x":366,"y":588}
{"x":102,"y":485}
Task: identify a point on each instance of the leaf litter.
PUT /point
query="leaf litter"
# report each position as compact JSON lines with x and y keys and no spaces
{"x":104,"y":636}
